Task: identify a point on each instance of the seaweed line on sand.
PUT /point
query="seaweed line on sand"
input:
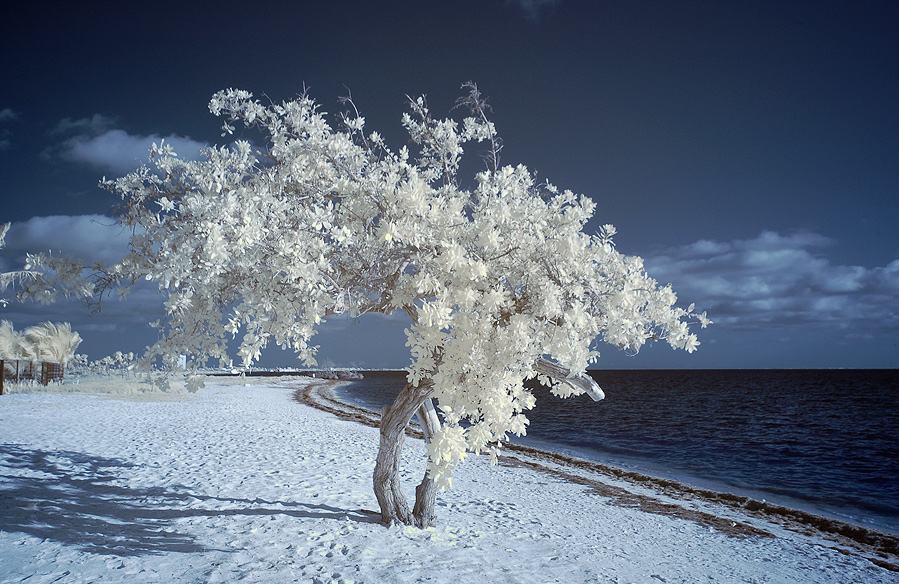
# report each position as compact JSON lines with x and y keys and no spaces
{"x":881,"y":549}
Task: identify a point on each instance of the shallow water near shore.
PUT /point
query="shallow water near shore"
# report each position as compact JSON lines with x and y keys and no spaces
{"x":825,"y":441}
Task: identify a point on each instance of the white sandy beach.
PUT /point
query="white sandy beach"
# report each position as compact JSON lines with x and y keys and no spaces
{"x":242,"y":483}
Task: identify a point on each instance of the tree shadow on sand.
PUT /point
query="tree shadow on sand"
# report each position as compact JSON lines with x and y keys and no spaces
{"x":78,"y":499}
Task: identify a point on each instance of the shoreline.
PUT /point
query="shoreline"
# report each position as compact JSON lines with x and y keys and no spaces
{"x":712,"y":509}
{"x":820,"y":442}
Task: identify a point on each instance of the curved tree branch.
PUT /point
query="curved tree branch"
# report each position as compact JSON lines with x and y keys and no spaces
{"x":563,"y":375}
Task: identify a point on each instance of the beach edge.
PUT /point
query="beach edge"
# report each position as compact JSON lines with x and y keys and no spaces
{"x":659,"y":495}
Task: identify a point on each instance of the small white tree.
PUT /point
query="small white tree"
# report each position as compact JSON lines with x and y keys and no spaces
{"x":18,"y":346}
{"x":9,"y":341}
{"x":53,"y":342}
{"x":79,"y":362}
{"x":500,"y":281}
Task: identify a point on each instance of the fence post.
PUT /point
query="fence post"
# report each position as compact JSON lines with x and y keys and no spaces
{"x":51,"y":372}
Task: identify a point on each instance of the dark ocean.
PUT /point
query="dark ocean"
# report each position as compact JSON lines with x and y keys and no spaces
{"x":825,"y":441}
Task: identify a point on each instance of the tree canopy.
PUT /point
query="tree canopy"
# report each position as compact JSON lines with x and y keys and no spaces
{"x":500,"y":279}
{"x":266,"y":242}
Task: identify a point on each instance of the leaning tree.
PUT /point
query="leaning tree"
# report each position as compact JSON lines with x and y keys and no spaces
{"x":499,"y":278}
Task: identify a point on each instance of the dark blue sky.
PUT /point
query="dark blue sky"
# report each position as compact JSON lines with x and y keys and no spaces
{"x":748,"y":150}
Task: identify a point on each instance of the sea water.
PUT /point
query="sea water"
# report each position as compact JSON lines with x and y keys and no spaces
{"x":825,"y":441}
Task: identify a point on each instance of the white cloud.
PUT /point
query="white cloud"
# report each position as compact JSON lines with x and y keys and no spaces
{"x":533,"y":8}
{"x":120,"y":152}
{"x":98,"y":143}
{"x":97,"y":124}
{"x":90,"y":237}
{"x":7,"y":115}
{"x":777,"y":280}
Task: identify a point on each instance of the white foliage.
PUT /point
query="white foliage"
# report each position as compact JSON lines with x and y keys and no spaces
{"x":48,"y":341}
{"x":265,"y":245}
{"x":54,"y":342}
{"x":45,"y":277}
{"x":11,"y":341}
{"x":12,"y":278}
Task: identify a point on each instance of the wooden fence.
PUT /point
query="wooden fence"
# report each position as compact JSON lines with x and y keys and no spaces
{"x":25,"y":370}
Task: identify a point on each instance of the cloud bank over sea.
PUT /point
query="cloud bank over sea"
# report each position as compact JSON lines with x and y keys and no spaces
{"x":780,"y":280}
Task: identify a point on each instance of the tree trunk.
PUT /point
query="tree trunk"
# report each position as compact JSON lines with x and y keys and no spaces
{"x":426,"y":491}
{"x":386,"y":480}
{"x":414,"y":400}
